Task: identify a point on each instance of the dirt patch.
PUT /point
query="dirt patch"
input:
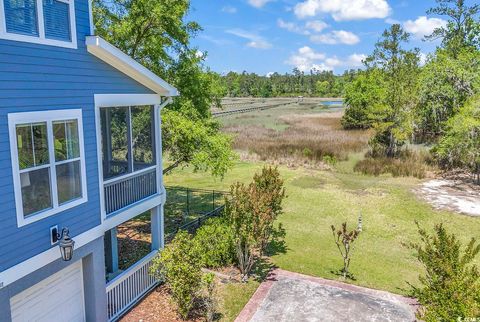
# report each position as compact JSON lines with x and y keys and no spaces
{"x":457,"y":196}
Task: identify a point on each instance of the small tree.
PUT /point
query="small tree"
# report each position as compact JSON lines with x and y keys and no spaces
{"x":251,"y":212}
{"x":450,"y":287}
{"x":241,"y":213}
{"x":178,"y":264}
{"x":344,"y":241}
{"x":269,"y":185}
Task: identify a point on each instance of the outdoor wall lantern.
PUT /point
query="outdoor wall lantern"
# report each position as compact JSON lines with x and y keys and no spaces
{"x":64,"y":242}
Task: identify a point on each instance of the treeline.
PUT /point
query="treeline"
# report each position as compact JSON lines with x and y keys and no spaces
{"x":437,"y":104}
{"x":315,"y":83}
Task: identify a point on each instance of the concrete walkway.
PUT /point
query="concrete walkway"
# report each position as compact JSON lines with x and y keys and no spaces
{"x":287,"y":296}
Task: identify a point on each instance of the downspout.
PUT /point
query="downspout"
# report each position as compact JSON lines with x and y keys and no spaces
{"x":165,"y":102}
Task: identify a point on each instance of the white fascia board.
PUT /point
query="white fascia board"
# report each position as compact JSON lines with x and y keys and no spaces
{"x":113,"y":56}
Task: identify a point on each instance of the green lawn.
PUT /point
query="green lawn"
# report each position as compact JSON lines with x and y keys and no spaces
{"x":318,"y":199}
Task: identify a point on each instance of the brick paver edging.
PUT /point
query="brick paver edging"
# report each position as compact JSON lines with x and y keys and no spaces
{"x":262,"y":292}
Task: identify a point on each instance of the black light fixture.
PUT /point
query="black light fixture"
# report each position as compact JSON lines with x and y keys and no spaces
{"x":64,"y":242}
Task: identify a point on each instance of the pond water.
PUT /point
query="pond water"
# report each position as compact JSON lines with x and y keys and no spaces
{"x":337,"y":103}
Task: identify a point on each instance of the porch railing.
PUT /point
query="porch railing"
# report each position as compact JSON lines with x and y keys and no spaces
{"x":128,"y":288}
{"x":122,"y":192}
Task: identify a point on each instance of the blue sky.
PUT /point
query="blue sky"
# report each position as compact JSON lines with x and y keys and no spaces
{"x":266,"y":36}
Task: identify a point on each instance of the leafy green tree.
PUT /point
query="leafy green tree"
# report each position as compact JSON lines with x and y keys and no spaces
{"x":463,"y":28}
{"x":460,"y":146}
{"x":449,"y":290}
{"x":446,"y":84}
{"x":196,"y":143}
{"x":157,"y":35}
{"x":393,"y":120}
{"x":363,"y":97}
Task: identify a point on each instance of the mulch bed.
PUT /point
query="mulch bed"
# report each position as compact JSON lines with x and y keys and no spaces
{"x":157,"y":306}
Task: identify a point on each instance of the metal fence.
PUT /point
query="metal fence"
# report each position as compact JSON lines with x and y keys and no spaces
{"x":186,"y":206}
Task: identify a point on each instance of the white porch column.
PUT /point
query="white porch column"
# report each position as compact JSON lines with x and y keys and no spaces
{"x":158,"y":234}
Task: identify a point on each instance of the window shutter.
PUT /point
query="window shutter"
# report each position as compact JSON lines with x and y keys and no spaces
{"x":21,"y":17}
{"x":57,"y":20}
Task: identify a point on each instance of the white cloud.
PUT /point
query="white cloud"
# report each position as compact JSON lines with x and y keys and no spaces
{"x":259,"y":3}
{"x":306,"y":59}
{"x":316,"y":25}
{"x":344,"y":9}
{"x":269,"y":74}
{"x":423,"y":58}
{"x":229,"y":9}
{"x":199,"y":54}
{"x":255,"y":41}
{"x":356,"y":60}
{"x":291,"y":26}
{"x":423,"y":26}
{"x":307,"y":29}
{"x":336,"y":37}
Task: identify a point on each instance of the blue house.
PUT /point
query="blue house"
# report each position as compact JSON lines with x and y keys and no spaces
{"x":80,"y":154}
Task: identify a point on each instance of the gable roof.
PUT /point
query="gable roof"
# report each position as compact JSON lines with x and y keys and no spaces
{"x":113,"y":56}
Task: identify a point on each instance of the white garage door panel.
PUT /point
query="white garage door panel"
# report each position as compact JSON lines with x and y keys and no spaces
{"x":57,"y":298}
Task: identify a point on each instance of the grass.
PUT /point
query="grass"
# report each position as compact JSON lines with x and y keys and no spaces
{"x":295,"y":138}
{"x":318,"y":199}
{"x":234,"y":297}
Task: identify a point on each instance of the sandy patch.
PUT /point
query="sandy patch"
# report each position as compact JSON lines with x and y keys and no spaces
{"x":452,"y":195}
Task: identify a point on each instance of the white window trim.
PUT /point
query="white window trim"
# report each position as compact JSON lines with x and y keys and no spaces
{"x":41,"y":39}
{"x":49,"y":117}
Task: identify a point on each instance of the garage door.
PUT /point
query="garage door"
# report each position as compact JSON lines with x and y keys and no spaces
{"x":57,"y":298}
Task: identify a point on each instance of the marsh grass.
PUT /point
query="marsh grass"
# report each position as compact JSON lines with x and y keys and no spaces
{"x":409,"y":164}
{"x":311,"y":138}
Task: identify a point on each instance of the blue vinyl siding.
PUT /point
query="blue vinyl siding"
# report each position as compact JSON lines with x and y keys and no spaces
{"x":56,"y":17}
{"x":21,"y":16}
{"x":40,"y":77}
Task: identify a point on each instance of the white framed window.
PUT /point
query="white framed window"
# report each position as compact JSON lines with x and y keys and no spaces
{"x":48,"y":162}
{"x":47,"y":22}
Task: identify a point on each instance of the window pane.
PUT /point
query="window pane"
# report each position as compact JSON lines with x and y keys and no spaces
{"x":69,"y":182}
{"x":143,"y":137}
{"x":114,"y":141}
{"x":66,"y":140}
{"x":36,"y":192}
{"x":32,"y":145}
{"x":21,"y":17}
{"x":57,"y":20}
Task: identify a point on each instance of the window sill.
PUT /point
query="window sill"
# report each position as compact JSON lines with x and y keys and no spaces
{"x":38,"y":40}
{"x":23,"y":221}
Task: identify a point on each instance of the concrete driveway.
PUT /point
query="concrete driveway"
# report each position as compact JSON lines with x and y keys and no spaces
{"x":287,"y":296}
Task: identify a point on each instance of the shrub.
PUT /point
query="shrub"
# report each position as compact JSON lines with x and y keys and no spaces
{"x":344,"y":241}
{"x":214,"y":241}
{"x":209,"y":298}
{"x":450,"y":288}
{"x":409,"y":164}
{"x":330,"y":160}
{"x":179,"y":265}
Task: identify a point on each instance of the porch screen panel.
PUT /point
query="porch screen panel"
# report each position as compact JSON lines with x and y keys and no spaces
{"x":143,"y":137}
{"x":115,"y":142}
